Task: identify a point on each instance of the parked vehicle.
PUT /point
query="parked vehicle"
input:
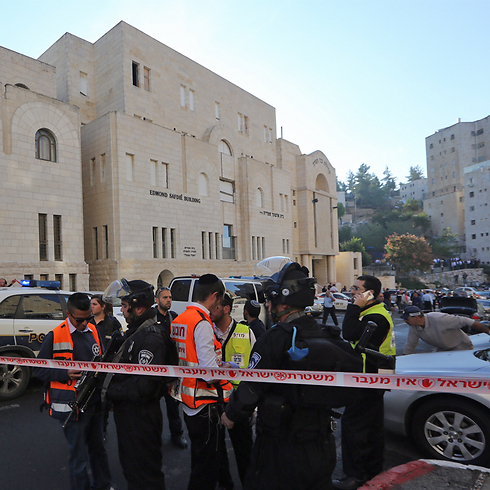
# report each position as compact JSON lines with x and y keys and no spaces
{"x":467,"y":291}
{"x":449,"y":426}
{"x":182,"y":289}
{"x":316,"y":309}
{"x":27,"y":314}
{"x":341,"y":301}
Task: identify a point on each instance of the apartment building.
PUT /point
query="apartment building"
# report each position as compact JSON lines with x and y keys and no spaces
{"x":182,"y":170}
{"x":450,"y":152}
{"x":415,"y":190}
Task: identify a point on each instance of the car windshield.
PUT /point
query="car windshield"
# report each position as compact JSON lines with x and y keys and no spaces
{"x":484,"y":354}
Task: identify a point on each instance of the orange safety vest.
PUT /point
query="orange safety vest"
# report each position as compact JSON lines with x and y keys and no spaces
{"x":60,"y":394}
{"x":195,"y":392}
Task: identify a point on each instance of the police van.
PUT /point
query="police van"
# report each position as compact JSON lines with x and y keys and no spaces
{"x":26,"y":315}
{"x":243,"y":289}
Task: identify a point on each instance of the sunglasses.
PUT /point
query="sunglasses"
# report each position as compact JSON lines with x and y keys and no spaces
{"x":80,"y":320}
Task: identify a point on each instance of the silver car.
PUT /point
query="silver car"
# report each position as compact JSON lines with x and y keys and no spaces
{"x":448,"y":426}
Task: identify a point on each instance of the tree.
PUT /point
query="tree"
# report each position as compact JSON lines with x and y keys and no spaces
{"x":345,"y":233}
{"x":389,"y":182}
{"x":445,"y":246}
{"x":356,"y":245}
{"x":341,"y":186}
{"x":408,"y":252}
{"x":340,"y":210}
{"x":415,"y":174}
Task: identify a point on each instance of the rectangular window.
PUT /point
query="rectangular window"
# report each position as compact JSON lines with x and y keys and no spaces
{"x":472,"y":194}
{"x":243,"y":124}
{"x":226,"y":191}
{"x":147,"y":78}
{"x":102,"y":167}
{"x":106,"y":241}
{"x":270,"y":135}
{"x":287,"y":245}
{"x":164,"y":243}
{"x":92,"y":172}
{"x":83,"y":83}
{"x":172,"y":243}
{"x":266,"y":134}
{"x":217,"y":110}
{"x":192,"y":99}
{"x":43,"y":236}
{"x":155,"y":242}
{"x":58,"y":245}
{"x":216,"y":245}
{"x":96,"y":242}
{"x":473,"y":222}
{"x":203,"y":244}
{"x":164,"y":175}
{"x":153,"y":172}
{"x":73,"y":282}
{"x":136,"y":74}
{"x":263,"y":247}
{"x":259,"y":249}
{"x":254,"y":249}
{"x":44,"y":277}
{"x":182,"y":95}
{"x":59,"y":278}
{"x":228,"y":243}
{"x":129,"y":167}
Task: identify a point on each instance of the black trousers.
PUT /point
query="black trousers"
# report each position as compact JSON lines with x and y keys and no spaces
{"x":331,"y":311}
{"x":242,"y":441}
{"x":173,"y":415}
{"x":209,"y":459}
{"x":283,"y":462}
{"x":362,"y":435}
{"x":139,"y":437}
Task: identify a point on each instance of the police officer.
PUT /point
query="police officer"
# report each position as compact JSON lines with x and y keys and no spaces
{"x":136,"y":398}
{"x":294,"y":447}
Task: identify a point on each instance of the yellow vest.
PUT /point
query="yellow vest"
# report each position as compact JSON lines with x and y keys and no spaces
{"x":388,"y":347}
{"x":237,"y":348}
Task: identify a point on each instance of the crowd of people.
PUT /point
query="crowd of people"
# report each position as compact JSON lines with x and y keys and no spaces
{"x":292,"y":446}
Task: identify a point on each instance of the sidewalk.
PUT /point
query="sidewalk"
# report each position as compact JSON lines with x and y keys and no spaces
{"x":431,"y":474}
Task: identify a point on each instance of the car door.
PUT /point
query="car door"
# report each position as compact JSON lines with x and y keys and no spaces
{"x":37,"y":314}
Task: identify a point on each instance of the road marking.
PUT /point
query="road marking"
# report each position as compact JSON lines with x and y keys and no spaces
{"x":7,"y":407}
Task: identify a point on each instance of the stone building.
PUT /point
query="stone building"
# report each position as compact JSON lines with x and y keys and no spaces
{"x":415,"y":190}
{"x":182,"y":170}
{"x":41,"y":217}
{"x":450,"y":151}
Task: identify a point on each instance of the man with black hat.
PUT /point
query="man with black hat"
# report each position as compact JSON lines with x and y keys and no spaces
{"x":439,"y":329}
{"x":251,"y":312}
{"x":294,"y":446}
{"x":136,"y":398}
{"x":203,"y":399}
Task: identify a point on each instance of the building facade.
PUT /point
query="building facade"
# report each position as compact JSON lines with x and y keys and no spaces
{"x":182,"y":171}
{"x":450,"y":151}
{"x":415,"y":190}
{"x":41,"y":217}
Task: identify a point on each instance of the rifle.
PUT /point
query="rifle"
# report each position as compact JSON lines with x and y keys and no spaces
{"x":381,"y":361}
{"x":90,"y":380}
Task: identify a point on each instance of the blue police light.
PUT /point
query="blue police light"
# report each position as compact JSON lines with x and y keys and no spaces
{"x":33,"y":283}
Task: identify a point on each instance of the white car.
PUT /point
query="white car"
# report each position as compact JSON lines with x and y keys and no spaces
{"x":448,"y":426}
{"x":341,"y":301}
{"x":26,"y":316}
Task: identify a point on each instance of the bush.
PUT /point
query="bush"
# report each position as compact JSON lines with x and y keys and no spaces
{"x":411,"y":282}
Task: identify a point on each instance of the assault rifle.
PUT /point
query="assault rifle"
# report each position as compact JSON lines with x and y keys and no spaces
{"x":382,"y":361}
{"x":91,"y":380}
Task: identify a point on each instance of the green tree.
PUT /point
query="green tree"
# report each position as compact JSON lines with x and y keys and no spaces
{"x":356,"y":245}
{"x":415,"y":173}
{"x":345,"y":233}
{"x":341,"y":186}
{"x":445,"y":246}
{"x":409,"y":252}
{"x":389,"y":181}
{"x":340,"y":210}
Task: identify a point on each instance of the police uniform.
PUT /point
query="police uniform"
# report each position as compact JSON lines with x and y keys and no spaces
{"x":136,"y":402}
{"x":294,"y":448}
{"x":363,"y":420}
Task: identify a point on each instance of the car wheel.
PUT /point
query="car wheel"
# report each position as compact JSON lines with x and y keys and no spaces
{"x":13,"y":379}
{"x":454,"y":430}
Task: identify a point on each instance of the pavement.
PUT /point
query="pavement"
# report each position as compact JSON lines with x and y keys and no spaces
{"x":431,"y":474}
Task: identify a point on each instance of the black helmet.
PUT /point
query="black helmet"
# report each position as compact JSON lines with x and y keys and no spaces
{"x":136,"y":293}
{"x":290,"y":286}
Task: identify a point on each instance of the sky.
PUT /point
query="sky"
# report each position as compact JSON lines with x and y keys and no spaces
{"x":364,"y":81}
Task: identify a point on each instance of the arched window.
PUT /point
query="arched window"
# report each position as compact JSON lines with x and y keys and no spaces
{"x":259,"y":195}
{"x":21,"y":85}
{"x":224,"y":147}
{"x":45,"y":145}
{"x":203,"y":184}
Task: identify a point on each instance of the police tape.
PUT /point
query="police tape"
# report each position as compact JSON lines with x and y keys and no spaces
{"x":424,"y":382}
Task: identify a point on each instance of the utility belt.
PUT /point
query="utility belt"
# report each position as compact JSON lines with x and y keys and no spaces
{"x":279,"y":417}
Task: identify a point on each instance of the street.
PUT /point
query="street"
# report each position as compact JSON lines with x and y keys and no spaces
{"x":35,"y":453}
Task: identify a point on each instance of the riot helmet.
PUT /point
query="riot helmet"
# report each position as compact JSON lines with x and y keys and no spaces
{"x":135,"y":293}
{"x":290,"y":286}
